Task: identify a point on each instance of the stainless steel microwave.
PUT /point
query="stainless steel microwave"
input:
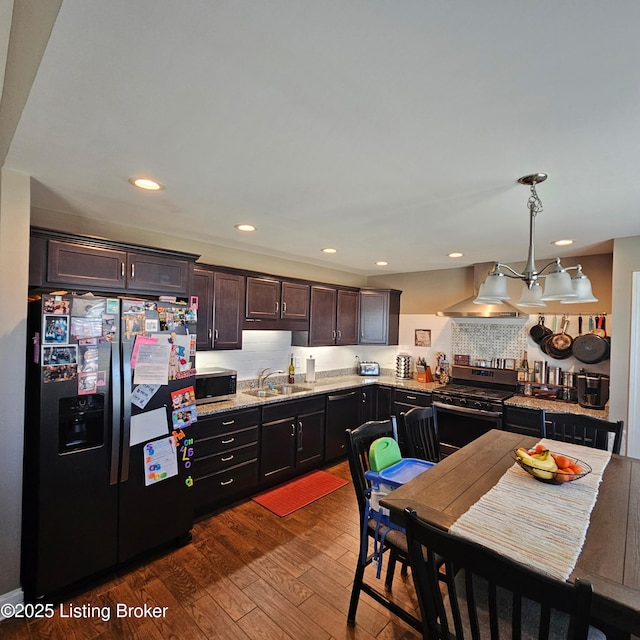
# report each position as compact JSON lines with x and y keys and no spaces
{"x":215,"y":384}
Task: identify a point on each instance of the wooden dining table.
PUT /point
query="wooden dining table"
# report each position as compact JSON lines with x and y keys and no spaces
{"x":610,"y":556}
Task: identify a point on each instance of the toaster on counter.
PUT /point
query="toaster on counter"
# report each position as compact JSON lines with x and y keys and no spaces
{"x":368,"y":369}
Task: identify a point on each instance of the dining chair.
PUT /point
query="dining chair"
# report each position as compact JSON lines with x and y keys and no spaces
{"x":486,"y":595}
{"x":386,"y":539}
{"x":420,"y":428}
{"x":585,"y":430}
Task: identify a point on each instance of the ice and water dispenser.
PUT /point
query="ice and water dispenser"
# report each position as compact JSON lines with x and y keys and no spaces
{"x":80,"y":422}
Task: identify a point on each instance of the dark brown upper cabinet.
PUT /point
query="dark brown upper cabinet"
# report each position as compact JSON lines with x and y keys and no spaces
{"x":220,"y":308}
{"x":114,"y":267}
{"x":379,"y":316}
{"x":228,"y":307}
{"x":333,"y":318}
{"x":271,"y":299}
{"x":202,"y":288}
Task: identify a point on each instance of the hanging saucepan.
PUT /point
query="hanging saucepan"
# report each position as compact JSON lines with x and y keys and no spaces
{"x":558,"y":346}
{"x":539,"y":331}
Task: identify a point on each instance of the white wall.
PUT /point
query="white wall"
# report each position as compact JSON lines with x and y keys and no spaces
{"x":14,"y":267}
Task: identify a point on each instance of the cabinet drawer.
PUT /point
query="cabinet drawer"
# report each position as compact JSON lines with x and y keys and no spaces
{"x":221,"y":423}
{"x":208,"y":464}
{"x":222,"y":486}
{"x":413,"y":398}
{"x":225,"y":441}
{"x":292,"y":408}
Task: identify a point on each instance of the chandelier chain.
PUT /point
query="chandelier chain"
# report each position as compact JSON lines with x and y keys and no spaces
{"x":534,"y":204}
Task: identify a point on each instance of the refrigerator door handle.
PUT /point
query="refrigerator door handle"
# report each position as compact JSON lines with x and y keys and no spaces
{"x":126,"y":412}
{"x":116,"y":386}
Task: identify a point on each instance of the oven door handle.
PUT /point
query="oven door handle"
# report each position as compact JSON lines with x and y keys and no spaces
{"x":467,"y":410}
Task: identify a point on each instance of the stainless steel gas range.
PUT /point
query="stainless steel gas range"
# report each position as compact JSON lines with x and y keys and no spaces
{"x":471,"y":404}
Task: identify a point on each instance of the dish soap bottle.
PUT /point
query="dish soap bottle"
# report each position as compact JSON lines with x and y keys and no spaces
{"x":291,"y":372}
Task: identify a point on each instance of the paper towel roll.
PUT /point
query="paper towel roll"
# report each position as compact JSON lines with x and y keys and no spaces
{"x":311,"y":370}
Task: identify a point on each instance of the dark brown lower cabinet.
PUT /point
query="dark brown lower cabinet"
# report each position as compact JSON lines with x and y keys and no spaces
{"x":225,"y":460}
{"x":292,"y":439}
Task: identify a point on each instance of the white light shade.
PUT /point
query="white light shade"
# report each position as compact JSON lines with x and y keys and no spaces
{"x":483,"y":298}
{"x":557,"y":286}
{"x":582,"y":288}
{"x":495,"y":286}
{"x":531,"y":296}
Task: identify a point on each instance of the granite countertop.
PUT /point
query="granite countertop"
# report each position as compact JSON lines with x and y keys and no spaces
{"x":322,"y":385}
{"x":556,"y":406}
{"x":344,"y":382}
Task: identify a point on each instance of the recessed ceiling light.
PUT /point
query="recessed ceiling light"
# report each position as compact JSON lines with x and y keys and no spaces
{"x":329,"y":250}
{"x":245,"y":227}
{"x":455,"y":254}
{"x":382,"y":263}
{"x":562,"y":243}
{"x":146,"y":183}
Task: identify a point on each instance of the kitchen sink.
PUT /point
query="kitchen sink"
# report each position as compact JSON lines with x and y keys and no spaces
{"x":278,"y":390}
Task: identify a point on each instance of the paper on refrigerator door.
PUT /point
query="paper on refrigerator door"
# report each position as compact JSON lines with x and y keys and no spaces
{"x":148,"y":425}
{"x":152,"y":363}
{"x":160,"y":460}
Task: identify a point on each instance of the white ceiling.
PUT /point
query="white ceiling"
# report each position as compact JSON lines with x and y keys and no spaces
{"x":389,"y":130}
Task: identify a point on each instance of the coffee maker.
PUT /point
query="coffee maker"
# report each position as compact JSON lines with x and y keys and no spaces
{"x":593,"y":390}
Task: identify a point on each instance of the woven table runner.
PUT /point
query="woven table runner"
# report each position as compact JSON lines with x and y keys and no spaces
{"x":535,"y":523}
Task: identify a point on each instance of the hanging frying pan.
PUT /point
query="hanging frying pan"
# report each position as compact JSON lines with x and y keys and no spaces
{"x":558,"y":346}
{"x":590,"y":348}
{"x":539,"y":331}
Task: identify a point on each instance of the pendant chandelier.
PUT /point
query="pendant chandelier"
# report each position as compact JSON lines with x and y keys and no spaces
{"x":558,"y":285}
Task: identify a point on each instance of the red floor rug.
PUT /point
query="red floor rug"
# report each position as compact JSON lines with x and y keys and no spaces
{"x":298,"y":493}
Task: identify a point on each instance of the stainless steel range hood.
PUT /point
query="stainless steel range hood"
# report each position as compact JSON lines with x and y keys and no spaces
{"x":468,"y":309}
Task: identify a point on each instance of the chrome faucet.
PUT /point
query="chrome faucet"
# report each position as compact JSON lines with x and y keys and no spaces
{"x":265,"y":373}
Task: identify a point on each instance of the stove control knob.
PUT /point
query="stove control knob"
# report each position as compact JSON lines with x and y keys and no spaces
{"x":478,"y":405}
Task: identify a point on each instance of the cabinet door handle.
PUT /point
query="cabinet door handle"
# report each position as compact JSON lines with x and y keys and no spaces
{"x":412,"y":398}
{"x":364,"y":397}
{"x":227,"y":423}
{"x":228,"y":441}
{"x":339,"y":335}
{"x":277,"y":306}
{"x":215,"y":335}
{"x":293,"y":429}
{"x":300,"y":435}
{"x":210,"y":333}
{"x":133,"y":270}
{"x":284,"y":307}
{"x":224,"y":484}
{"x":333,"y":335}
{"x":122,"y":272}
{"x":226,"y":459}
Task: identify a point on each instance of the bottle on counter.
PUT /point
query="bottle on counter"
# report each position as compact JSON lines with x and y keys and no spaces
{"x":291,"y":377}
{"x":523,"y":369}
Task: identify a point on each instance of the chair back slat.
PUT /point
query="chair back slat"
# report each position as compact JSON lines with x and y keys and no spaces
{"x":584,"y":430}
{"x":420,"y":428}
{"x":486,"y":595}
{"x":359,"y":441}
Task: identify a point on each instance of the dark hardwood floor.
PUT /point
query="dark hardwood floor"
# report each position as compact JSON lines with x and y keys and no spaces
{"x":247,"y":575}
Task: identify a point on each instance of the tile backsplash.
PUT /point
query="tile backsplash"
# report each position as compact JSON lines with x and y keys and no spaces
{"x":488,"y":340}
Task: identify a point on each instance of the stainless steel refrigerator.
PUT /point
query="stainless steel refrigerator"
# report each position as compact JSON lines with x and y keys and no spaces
{"x":106,"y":453}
